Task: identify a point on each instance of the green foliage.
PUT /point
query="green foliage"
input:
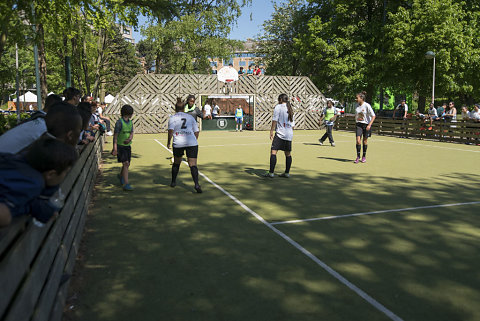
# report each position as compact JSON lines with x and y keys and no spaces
{"x":346,"y":46}
{"x":194,"y":32}
{"x":277,"y":42}
{"x":8,"y":121}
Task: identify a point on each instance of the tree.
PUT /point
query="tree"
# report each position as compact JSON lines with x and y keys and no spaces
{"x":195,"y":31}
{"x":277,"y":42}
{"x":448,"y":29}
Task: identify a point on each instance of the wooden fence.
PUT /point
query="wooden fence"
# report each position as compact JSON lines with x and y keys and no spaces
{"x":460,"y":131}
{"x":153,"y":98}
{"x":35,"y":261}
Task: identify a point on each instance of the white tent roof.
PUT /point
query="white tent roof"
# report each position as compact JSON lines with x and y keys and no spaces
{"x":29,"y":97}
{"x":109,"y":98}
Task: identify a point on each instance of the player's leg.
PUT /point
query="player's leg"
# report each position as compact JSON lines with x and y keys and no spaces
{"x":324,"y":137}
{"x":177,"y":160}
{"x":365,"y":145}
{"x":330,"y":134}
{"x":192,"y":154}
{"x":358,"y":133}
{"x":288,"y":164}
{"x":125,"y":166}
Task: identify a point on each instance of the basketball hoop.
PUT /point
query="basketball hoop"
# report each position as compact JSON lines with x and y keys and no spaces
{"x":227,"y":75}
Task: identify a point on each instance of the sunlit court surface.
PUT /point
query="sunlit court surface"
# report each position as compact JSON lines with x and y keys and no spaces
{"x":395,"y":238}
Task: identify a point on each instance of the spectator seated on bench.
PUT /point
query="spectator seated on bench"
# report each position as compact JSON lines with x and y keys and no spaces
{"x":62,"y":121}
{"x":29,"y":183}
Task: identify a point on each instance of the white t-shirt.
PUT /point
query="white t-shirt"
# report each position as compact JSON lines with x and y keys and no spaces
{"x":20,"y":137}
{"x":432,"y":112}
{"x":216,"y":109}
{"x":284,"y":128}
{"x":473,"y":114}
{"x":208,"y":110}
{"x":184,"y":127}
{"x":99,"y":111}
{"x":364,"y":113}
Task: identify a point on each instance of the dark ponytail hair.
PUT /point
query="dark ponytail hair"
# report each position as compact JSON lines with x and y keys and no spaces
{"x":283,"y":99}
{"x":179,"y":106}
{"x":362,"y":95}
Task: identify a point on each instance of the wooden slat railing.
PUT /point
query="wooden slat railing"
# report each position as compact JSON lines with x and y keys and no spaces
{"x":34,"y":260}
{"x":460,"y":131}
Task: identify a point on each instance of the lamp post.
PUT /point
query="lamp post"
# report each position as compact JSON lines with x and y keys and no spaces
{"x":431,"y":55}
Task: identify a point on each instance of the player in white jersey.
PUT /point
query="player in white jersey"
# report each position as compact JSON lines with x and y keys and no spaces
{"x":183,"y":128}
{"x":364,"y":117}
{"x":281,"y":134}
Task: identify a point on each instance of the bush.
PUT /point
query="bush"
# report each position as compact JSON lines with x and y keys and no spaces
{"x":8,"y":121}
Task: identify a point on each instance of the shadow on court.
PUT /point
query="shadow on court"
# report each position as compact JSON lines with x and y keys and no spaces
{"x":159,"y":253}
{"x":343,"y":160}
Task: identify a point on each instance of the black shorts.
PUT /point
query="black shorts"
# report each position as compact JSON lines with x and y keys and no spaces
{"x":192,"y":151}
{"x":124,"y":153}
{"x":361,"y":130}
{"x":281,"y":144}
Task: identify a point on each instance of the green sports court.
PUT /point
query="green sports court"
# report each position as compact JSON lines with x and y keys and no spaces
{"x":393,"y":239}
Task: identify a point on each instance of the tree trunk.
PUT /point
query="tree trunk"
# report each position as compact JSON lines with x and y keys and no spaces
{"x":72,"y":61}
{"x":370,"y":93}
{"x":42,"y":60}
{"x":85,"y":65}
{"x":101,"y":42}
{"x":3,"y":40}
{"x":157,"y":63}
{"x":421,"y":103}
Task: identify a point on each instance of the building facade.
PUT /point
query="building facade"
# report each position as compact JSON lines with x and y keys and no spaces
{"x":246,"y":57}
{"x":127,"y":33}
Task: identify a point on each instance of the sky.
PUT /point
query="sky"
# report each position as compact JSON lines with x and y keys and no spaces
{"x":259,"y":11}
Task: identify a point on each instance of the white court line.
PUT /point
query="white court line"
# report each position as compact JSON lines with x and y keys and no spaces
{"x":416,"y":144}
{"x":294,"y":142}
{"x":322,"y":264}
{"x":371,"y":213}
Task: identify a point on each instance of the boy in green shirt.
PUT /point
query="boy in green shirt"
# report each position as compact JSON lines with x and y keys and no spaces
{"x":122,"y":141}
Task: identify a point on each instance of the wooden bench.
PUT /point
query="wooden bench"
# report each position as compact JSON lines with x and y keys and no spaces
{"x":460,"y":131}
{"x":35,"y":261}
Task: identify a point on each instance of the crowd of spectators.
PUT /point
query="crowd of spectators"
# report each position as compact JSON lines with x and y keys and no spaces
{"x":37,"y":154}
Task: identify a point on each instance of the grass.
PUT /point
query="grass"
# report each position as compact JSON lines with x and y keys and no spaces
{"x":159,"y":253}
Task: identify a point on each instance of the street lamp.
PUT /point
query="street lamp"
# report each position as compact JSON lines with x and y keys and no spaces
{"x":431,"y":55}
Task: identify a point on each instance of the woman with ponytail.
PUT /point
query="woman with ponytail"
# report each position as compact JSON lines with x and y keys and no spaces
{"x":281,"y":134}
{"x":183,"y":128}
{"x":364,"y":117}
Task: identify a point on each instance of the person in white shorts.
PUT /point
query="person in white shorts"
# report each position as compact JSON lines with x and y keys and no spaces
{"x":183,"y":128}
{"x":281,"y":134}
{"x":207,"y":111}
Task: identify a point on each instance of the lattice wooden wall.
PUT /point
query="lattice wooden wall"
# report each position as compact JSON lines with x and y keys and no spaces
{"x":153,"y":98}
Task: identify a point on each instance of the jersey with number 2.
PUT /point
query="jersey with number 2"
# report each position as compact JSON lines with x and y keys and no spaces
{"x":184,"y":127}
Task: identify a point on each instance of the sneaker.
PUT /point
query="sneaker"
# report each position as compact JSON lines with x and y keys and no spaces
{"x":198,"y":189}
{"x":357,"y":160}
{"x":320,"y":142}
{"x":173,"y":184}
{"x":333,"y":144}
{"x":285,"y":175}
{"x":127,"y":187}
{"x":364,"y":160}
{"x":268,"y":174}
{"x":109,"y":133}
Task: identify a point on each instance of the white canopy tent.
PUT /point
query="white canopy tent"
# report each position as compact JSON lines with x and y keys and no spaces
{"x":28,"y":97}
